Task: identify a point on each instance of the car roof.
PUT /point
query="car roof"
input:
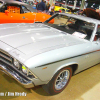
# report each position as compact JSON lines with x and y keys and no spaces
{"x":88,"y":19}
{"x":13,"y":2}
{"x":19,"y":3}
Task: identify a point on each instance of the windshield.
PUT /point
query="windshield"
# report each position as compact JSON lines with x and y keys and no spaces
{"x":71,"y":25}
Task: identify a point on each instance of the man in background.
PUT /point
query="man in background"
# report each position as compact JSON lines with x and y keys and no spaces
{"x":41,"y":6}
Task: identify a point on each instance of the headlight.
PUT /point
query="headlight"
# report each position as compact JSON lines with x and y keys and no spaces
{"x":24,"y":70}
{"x":16,"y":63}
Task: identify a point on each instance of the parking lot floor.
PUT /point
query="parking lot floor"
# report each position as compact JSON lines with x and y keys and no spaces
{"x":83,"y":86}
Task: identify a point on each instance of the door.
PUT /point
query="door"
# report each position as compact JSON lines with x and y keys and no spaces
{"x":95,"y":55}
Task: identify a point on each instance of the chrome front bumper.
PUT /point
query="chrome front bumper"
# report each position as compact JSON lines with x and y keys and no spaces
{"x":17,"y":76}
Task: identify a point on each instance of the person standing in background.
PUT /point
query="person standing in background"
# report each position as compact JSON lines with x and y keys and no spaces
{"x":37,"y":5}
{"x":51,"y":9}
{"x":47,"y":7}
{"x":41,"y":6}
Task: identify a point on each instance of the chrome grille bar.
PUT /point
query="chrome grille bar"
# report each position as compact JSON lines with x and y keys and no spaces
{"x":5,"y":57}
{"x":6,"y":62}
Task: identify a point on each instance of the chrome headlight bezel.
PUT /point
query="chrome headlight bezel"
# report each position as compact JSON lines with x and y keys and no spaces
{"x":16,"y":63}
{"x":23,"y":69}
{"x":26,"y":71}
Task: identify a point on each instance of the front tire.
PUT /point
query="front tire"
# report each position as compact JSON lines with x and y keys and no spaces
{"x":59,"y":81}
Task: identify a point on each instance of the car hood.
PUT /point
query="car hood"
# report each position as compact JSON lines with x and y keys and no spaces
{"x":34,"y":39}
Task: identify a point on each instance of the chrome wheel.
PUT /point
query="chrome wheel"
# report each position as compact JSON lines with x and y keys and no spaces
{"x":59,"y":81}
{"x":62,"y":79}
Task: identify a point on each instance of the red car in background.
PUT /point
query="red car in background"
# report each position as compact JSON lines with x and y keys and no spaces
{"x":19,"y":12}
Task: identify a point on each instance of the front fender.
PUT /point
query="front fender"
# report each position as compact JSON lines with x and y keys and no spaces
{"x":46,"y":72}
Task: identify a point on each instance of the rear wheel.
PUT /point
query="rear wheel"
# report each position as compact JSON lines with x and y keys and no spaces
{"x":59,"y":81}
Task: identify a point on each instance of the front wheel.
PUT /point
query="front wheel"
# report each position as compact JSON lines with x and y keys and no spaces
{"x":59,"y":81}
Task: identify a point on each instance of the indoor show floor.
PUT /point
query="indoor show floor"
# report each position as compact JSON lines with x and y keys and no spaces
{"x":83,"y":86}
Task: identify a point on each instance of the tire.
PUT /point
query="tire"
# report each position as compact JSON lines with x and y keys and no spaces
{"x":59,"y":81}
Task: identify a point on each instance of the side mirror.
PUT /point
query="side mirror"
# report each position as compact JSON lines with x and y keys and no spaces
{"x":6,"y":11}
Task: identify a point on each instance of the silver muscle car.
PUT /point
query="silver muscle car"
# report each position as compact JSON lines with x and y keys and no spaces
{"x":49,"y":53}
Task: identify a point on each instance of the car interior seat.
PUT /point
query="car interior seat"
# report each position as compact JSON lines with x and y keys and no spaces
{"x":77,"y":25}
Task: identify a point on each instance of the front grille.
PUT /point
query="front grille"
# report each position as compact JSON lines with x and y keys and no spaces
{"x":7,"y":60}
{"x":5,"y":57}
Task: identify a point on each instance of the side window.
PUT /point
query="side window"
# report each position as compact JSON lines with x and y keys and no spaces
{"x":13,"y":9}
{"x":97,"y":36}
{"x":25,"y":10}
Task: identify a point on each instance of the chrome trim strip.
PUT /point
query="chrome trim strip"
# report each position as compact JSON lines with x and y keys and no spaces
{"x":17,"y":77}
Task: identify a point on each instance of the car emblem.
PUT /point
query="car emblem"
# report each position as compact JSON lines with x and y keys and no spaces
{"x":16,"y":53}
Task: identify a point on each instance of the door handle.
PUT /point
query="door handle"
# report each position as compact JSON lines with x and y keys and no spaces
{"x":23,"y":17}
